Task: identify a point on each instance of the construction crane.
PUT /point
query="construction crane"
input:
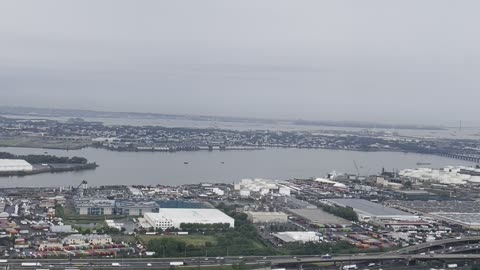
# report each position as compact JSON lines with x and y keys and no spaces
{"x":84,"y":182}
{"x":356,"y":167}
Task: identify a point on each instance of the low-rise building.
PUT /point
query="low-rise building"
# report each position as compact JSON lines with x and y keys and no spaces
{"x":44,"y":246}
{"x":61,"y":229}
{"x":135,"y":208}
{"x":416,"y":195}
{"x":94,"y":207}
{"x":93,"y":239}
{"x":267,"y":217}
{"x":288,"y":237}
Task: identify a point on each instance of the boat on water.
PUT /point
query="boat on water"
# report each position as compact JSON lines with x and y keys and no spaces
{"x":423,"y":163}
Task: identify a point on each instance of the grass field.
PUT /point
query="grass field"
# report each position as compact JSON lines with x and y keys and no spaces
{"x":117,"y":238}
{"x":35,"y":142}
{"x":195,"y":240}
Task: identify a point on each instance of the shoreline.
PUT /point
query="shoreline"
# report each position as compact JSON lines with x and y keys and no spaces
{"x":233,"y":148}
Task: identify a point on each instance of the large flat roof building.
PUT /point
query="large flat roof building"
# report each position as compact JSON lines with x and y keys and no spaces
{"x":15,"y":165}
{"x":174,"y":217}
{"x":369,"y":210}
{"x":319,"y":217}
{"x":464,"y":213}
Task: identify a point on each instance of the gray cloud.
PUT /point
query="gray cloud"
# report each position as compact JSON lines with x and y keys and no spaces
{"x":374,"y":60}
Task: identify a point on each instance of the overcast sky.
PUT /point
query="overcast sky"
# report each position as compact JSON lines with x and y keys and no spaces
{"x":406,"y":61}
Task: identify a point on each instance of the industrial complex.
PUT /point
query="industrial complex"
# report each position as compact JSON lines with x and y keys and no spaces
{"x":387,"y":211}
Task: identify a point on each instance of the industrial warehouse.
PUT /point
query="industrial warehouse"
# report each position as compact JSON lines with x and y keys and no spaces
{"x":14,"y":165}
{"x":174,"y":217}
{"x":95,"y":207}
{"x":463,"y":213}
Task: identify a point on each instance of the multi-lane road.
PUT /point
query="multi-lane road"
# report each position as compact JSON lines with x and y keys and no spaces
{"x":159,"y":263}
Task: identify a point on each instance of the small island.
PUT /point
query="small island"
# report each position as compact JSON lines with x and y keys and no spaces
{"x":20,"y":165}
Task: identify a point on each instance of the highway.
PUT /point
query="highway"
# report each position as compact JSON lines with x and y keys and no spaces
{"x":405,"y":254}
{"x":125,"y":263}
{"x":159,"y":263}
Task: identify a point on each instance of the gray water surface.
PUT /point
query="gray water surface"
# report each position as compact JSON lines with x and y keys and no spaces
{"x":151,"y":168}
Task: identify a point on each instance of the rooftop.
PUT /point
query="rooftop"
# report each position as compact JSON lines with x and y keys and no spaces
{"x":7,"y":165}
{"x":191,"y":215}
{"x":465,"y":218}
{"x":280,"y":214}
{"x":139,"y":204}
{"x":297,"y":236}
{"x":95,"y":203}
{"x":368,"y":207}
{"x":441,"y":206}
{"x":414,"y":192}
{"x":13,"y":162}
{"x":87,"y":236}
{"x":319,"y":216}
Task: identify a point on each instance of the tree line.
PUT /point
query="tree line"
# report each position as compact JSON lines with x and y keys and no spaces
{"x":198,"y":227}
{"x":48,"y":159}
{"x":343,"y":212}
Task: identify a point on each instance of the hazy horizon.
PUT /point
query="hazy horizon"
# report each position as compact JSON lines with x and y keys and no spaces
{"x":454,"y":125}
{"x":404,"y":62}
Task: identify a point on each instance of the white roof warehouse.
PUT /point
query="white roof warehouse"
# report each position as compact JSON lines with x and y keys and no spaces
{"x":15,"y":165}
{"x":173,"y":217}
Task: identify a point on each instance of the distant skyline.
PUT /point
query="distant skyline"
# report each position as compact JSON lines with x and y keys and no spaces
{"x":400,"y":61}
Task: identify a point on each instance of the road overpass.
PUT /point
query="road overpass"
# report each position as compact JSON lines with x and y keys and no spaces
{"x":377,"y":258}
{"x":439,"y":243}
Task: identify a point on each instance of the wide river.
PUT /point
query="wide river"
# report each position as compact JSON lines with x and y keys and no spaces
{"x":151,"y":168}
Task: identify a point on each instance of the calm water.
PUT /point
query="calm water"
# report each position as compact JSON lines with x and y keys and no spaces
{"x":169,"y":168}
